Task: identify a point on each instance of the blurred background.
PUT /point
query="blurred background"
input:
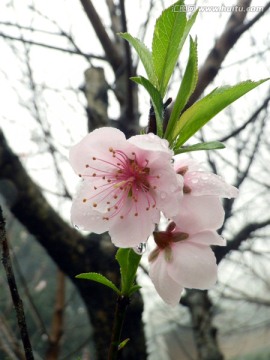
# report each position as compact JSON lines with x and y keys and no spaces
{"x":64,"y":72}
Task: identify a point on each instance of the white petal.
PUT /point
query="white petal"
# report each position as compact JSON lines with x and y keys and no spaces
{"x":193,"y":266}
{"x":166,"y":287}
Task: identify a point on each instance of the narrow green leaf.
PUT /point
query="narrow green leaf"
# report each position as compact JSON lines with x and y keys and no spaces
{"x":123,"y":344}
{"x":129,"y":262}
{"x":186,"y":88}
{"x":100,"y":279}
{"x":144,"y":55}
{"x":195,"y":117}
{"x":134,"y":289}
{"x":170,"y":33}
{"x":211,"y":145}
{"x":156,"y":101}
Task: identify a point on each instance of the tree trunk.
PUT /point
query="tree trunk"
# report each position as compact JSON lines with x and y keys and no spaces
{"x":205,"y":334}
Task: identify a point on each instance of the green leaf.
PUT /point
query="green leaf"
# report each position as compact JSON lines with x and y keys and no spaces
{"x":144,"y":55}
{"x":100,"y":279}
{"x":156,"y":101}
{"x":123,"y":344}
{"x":134,"y":288}
{"x":170,"y":33}
{"x":211,"y":145}
{"x":129,"y":262}
{"x":195,"y":117}
{"x":186,"y":88}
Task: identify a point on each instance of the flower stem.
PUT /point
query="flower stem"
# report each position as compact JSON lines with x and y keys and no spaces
{"x":119,"y":317}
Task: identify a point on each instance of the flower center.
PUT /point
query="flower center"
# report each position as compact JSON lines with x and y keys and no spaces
{"x":121,"y":184}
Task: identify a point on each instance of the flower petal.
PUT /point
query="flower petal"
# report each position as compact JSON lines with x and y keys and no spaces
{"x":169,"y":290}
{"x":151,"y":142}
{"x":191,"y":164}
{"x":95,"y":144}
{"x":193,"y":266}
{"x":133,"y":230}
{"x":205,"y":183}
{"x":169,"y":190}
{"x":84,"y":216}
{"x":198,"y":213}
{"x":207,"y":238}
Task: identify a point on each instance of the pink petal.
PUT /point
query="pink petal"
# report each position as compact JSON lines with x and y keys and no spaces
{"x":169,"y":290}
{"x":193,"y":266}
{"x":198,"y":213}
{"x":191,"y":164}
{"x":205,"y":183}
{"x":168,"y":189}
{"x":84,"y":216}
{"x":133,"y":230}
{"x":207,"y":238}
{"x":151,"y":142}
{"x":95,"y":144}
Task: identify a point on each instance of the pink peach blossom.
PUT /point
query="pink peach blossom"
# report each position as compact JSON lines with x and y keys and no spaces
{"x":126,"y":184}
{"x":183,"y":259}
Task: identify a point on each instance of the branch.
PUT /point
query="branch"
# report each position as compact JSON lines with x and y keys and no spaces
{"x":248,"y":25}
{"x":69,"y":51}
{"x":58,"y":319}
{"x":251,"y":119}
{"x":239,"y":238}
{"x":17,"y":302}
{"x":110,"y":50}
{"x":8,"y":342}
{"x":232,"y":32}
{"x":129,"y":70}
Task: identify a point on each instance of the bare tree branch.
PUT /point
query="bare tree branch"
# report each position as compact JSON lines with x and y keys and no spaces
{"x":48,"y":46}
{"x":233,"y":30}
{"x":18,"y":304}
{"x":111,"y":51}
{"x":129,"y":70}
{"x":251,"y":119}
{"x":239,"y":238}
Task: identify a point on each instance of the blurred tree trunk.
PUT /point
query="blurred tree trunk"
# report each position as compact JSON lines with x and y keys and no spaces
{"x":204,"y":332}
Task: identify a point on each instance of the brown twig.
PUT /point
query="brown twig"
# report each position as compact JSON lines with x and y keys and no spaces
{"x":57,"y":320}
{"x":52,"y":47}
{"x":17,"y":302}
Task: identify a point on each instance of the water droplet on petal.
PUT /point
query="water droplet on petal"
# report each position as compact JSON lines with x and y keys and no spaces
{"x":172,"y":188}
{"x":205,"y":177}
{"x":194,"y":181}
{"x":76,"y":227}
{"x":163,"y":195}
{"x":140,"y":249}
